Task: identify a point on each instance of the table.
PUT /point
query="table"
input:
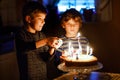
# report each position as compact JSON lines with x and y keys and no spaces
{"x":86,"y":73}
{"x":91,"y":76}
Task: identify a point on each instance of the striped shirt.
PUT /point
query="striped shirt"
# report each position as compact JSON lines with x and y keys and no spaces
{"x":75,"y":42}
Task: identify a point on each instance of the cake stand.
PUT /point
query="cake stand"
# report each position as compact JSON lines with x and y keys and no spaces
{"x":82,"y":72}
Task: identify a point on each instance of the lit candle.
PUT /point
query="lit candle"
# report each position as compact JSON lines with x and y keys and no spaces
{"x":87,"y":50}
{"x":78,"y":34}
{"x":72,"y":49}
{"x":80,"y":48}
{"x":91,"y":51}
{"x":69,"y":48}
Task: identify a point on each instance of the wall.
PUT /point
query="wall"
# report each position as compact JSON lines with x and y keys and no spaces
{"x":105,"y":40}
{"x":7,"y":10}
{"x":9,"y":67}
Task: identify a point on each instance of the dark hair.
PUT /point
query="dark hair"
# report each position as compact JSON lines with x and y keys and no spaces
{"x":71,"y":14}
{"x":32,"y":7}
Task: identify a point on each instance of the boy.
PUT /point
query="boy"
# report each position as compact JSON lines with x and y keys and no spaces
{"x":71,"y":22}
{"x":31,"y":44}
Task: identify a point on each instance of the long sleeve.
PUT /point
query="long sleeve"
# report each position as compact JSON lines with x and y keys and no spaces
{"x":24,"y":41}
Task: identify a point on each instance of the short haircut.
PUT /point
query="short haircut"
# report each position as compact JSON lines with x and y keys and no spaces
{"x":32,"y":7}
{"x":71,"y":14}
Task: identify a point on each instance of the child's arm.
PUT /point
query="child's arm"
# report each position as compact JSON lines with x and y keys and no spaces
{"x":51,"y":51}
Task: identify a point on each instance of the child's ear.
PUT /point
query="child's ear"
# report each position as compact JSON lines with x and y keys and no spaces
{"x":28,"y":19}
{"x":63,"y":26}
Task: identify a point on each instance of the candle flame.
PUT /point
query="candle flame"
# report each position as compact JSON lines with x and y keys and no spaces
{"x":78,"y":34}
{"x":88,"y":50}
{"x":91,"y":51}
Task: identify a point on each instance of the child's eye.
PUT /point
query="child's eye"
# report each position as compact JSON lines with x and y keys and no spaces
{"x":67,"y":24}
{"x":40,"y":19}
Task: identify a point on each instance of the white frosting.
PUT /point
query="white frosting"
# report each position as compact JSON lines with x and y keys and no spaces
{"x":82,"y":58}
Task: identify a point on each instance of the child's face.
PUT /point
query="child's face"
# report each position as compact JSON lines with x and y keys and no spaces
{"x":71,"y":27}
{"x":37,"y":21}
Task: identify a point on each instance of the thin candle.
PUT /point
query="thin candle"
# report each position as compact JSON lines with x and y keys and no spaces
{"x":69,"y":47}
{"x":80,"y":48}
{"x":88,"y":50}
{"x":91,"y":51}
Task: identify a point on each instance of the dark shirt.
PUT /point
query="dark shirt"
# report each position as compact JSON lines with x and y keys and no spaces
{"x":31,"y":61}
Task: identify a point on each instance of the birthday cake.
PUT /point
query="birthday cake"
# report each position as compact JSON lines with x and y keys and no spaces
{"x":82,"y":60}
{"x":78,"y":56}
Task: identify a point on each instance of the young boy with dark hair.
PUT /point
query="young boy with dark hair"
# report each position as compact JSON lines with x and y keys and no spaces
{"x":33,"y":48}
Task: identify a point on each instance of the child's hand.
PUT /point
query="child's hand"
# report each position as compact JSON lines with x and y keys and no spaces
{"x":59,"y":43}
{"x":54,"y":42}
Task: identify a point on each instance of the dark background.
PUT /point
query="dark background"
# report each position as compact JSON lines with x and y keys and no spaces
{"x":103,"y":36}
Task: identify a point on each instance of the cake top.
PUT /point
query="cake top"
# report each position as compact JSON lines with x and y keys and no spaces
{"x":75,"y":56}
{"x":81,"y":58}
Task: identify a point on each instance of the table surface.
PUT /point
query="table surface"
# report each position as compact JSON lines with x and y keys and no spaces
{"x":90,"y":76}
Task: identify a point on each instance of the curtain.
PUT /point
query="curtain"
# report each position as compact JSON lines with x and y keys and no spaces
{"x":104,"y":10}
